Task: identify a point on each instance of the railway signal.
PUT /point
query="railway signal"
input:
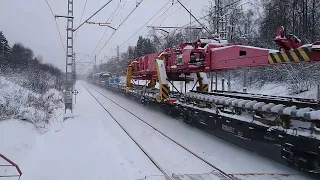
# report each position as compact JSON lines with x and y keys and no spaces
{"x":75,"y":93}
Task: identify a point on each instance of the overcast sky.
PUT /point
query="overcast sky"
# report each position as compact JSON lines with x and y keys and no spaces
{"x":31,"y":23}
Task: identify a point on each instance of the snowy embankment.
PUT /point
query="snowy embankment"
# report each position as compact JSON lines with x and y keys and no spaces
{"x":18,"y":102}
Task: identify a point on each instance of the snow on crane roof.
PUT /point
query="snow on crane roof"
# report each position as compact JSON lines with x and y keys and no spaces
{"x":306,"y":45}
{"x":253,"y":47}
{"x":188,"y":47}
{"x":221,"y":41}
{"x":220,"y":48}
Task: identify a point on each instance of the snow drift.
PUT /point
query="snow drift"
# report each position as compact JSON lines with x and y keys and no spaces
{"x":18,"y":102}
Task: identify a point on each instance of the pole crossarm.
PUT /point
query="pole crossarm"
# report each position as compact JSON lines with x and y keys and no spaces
{"x":102,"y":24}
{"x":92,"y":15}
{"x":161,"y":30}
{"x":174,"y":27}
{"x":61,"y":16}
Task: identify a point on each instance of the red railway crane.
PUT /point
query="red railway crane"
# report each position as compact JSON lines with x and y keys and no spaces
{"x":210,"y":55}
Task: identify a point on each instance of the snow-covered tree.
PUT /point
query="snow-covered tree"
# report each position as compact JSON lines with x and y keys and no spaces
{"x":5,"y":50}
{"x":299,"y":17}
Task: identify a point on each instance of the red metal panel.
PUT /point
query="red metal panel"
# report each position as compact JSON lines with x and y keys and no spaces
{"x":141,"y":66}
{"x":5,"y":159}
{"x":173,"y":58}
{"x":238,"y":56}
{"x":146,"y":59}
{"x":315,"y":56}
{"x":170,"y":58}
{"x":152,"y":62}
{"x":186,"y":56}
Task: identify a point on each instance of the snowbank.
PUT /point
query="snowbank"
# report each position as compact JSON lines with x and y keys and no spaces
{"x":17,"y":139}
{"x":17,"y":102}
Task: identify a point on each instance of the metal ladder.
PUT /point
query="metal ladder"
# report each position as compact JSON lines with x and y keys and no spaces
{"x":70,"y":65}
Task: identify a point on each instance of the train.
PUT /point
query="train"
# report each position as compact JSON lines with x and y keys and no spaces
{"x":104,"y":79}
{"x":285,"y":129}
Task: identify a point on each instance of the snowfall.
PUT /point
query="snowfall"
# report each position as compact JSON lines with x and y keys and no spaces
{"x":91,"y":145}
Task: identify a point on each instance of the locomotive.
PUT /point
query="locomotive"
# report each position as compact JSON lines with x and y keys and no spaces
{"x":104,"y":79}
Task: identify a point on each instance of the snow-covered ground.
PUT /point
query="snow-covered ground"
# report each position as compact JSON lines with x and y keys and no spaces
{"x":17,"y":139}
{"x":91,"y":145}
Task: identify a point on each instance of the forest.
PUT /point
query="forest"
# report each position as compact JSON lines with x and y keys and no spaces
{"x":20,"y":61}
{"x":255,"y":21}
{"x":30,"y":90}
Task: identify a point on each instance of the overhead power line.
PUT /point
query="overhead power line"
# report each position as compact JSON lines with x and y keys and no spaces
{"x":109,"y":19}
{"x":84,"y":8}
{"x":169,"y":15}
{"x":138,"y":4}
{"x":92,"y":15}
{"x":57,"y":26}
{"x":202,"y":17}
{"x":182,"y":27}
{"x":152,"y":23}
{"x":173,"y":27}
{"x":204,"y":27}
{"x":146,"y":23}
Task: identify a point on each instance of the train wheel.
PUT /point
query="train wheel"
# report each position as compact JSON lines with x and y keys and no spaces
{"x":187,"y":119}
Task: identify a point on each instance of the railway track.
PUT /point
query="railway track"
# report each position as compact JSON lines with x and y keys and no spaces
{"x":221,"y":174}
{"x":140,"y":147}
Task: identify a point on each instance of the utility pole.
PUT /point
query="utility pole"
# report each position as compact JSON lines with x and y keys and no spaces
{"x":190,"y":27}
{"x":118,"y":53}
{"x":217,"y":15}
{"x":70,"y":60}
{"x":74,"y":70}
